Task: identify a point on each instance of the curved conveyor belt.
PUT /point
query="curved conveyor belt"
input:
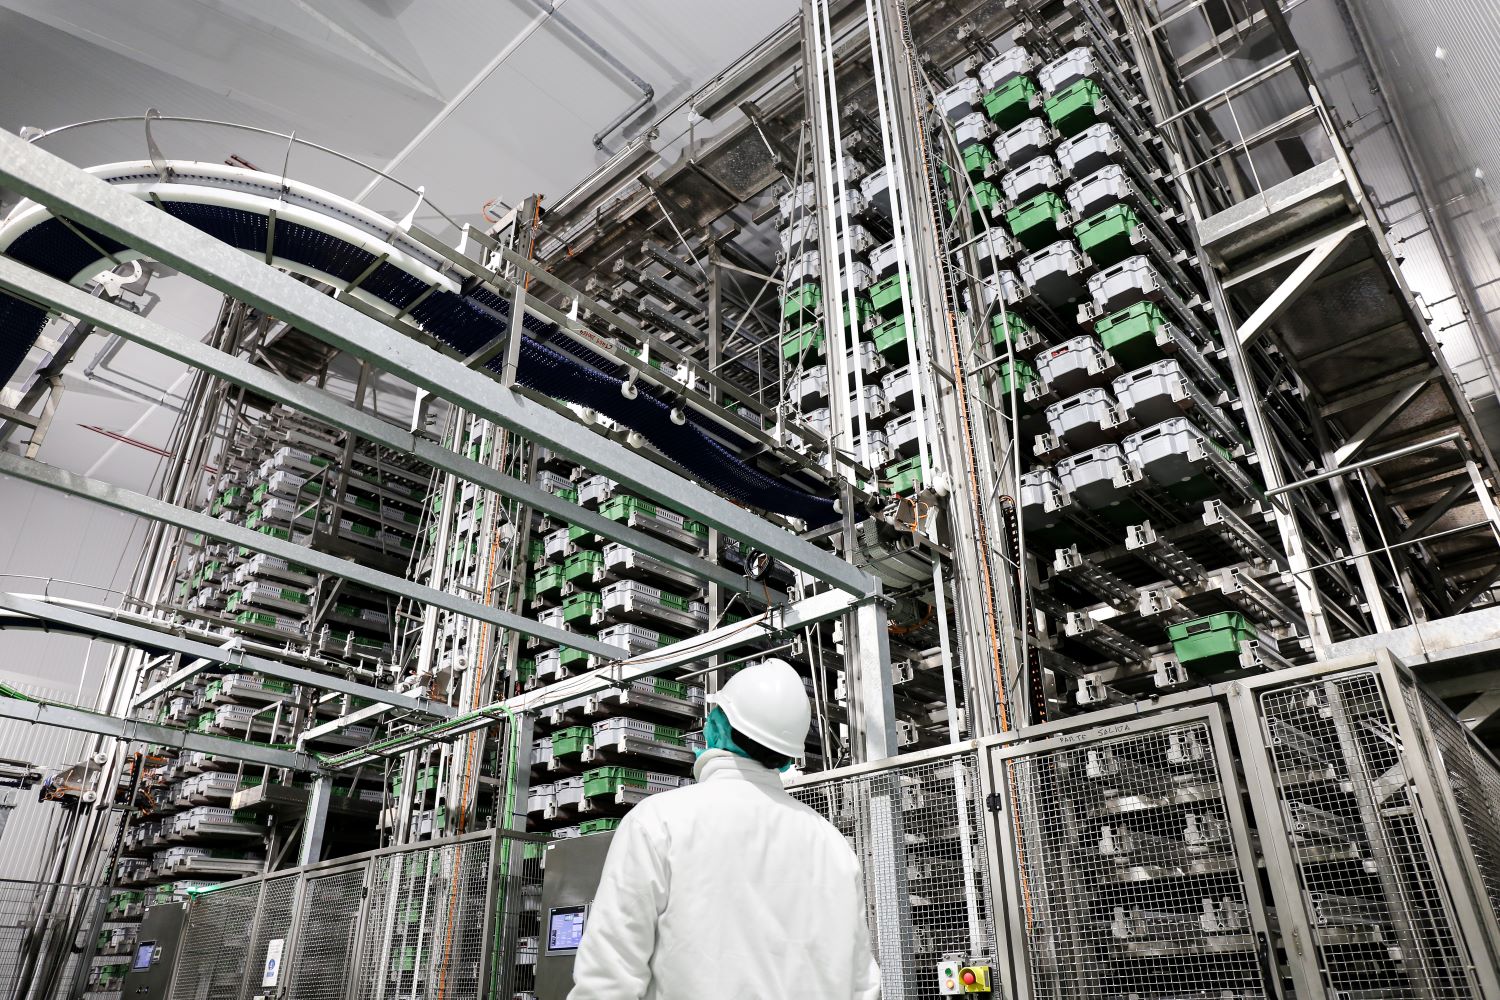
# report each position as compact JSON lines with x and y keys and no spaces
{"x":322,"y":236}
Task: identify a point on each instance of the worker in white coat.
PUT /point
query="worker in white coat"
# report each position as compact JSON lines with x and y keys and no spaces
{"x":731,"y":888}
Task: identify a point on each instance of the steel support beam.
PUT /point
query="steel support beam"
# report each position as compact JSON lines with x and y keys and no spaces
{"x":134,"y":731}
{"x":88,"y":200}
{"x":1360,"y":439}
{"x":141,"y":505}
{"x":315,"y":821}
{"x":141,"y":637}
{"x":779,"y":621}
{"x":1305,"y":273}
{"x":35,"y":286}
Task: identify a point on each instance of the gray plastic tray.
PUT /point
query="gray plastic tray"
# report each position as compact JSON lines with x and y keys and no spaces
{"x":1090,"y":477}
{"x":1084,"y":420}
{"x":1040,"y":174}
{"x":1091,"y":150}
{"x":1130,"y":281}
{"x":1028,"y":140}
{"x":1055,"y":273}
{"x":1073,"y":365}
{"x":1072,"y":66}
{"x":961,"y":100}
{"x":1104,"y":187}
{"x":1169,"y":453}
{"x":1013,"y":62}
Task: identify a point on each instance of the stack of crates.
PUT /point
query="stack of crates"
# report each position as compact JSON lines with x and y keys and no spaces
{"x":583,"y":583}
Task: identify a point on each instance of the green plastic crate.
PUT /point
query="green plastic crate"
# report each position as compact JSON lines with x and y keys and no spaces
{"x":547,"y":580}
{"x":862,"y":312}
{"x":905,"y":475}
{"x":1023,"y":372}
{"x":608,"y":780}
{"x":526,"y":669}
{"x":1073,"y":109}
{"x":890,"y":340}
{"x":573,"y":657}
{"x":977,"y":158}
{"x":581,"y":565}
{"x":1037,"y":221}
{"x":1010,"y":104}
{"x":1106,"y":237}
{"x":566,"y":742}
{"x":1211,"y":643}
{"x":592,"y":826}
{"x":579,"y":605}
{"x":804,"y":299}
{"x":1129,"y":334}
{"x":885,"y":296}
{"x":1011,"y":322}
{"x":802,"y":339}
{"x":619,"y":507}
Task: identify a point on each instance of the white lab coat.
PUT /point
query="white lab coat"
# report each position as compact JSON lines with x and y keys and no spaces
{"x":729,"y":888}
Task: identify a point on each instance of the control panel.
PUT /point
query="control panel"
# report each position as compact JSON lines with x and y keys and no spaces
{"x":955,"y":978}
{"x":150,"y":974}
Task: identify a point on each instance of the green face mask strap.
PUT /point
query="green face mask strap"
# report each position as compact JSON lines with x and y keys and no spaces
{"x":717,"y":734}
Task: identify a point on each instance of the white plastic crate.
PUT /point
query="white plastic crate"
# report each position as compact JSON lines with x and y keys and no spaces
{"x":995,"y":249}
{"x":634,"y":639}
{"x":974,"y":130}
{"x":595,"y":490}
{"x":1090,"y":150}
{"x":880,"y":451}
{"x":1130,"y":281}
{"x":871,"y":403}
{"x":552,"y":482}
{"x":876,"y":188}
{"x":1031,"y":178}
{"x":960,"y":100}
{"x":622,"y":735}
{"x":903,"y":435}
{"x":1084,"y":420}
{"x":634,"y":597}
{"x":549,"y":665}
{"x":1063,"y":72}
{"x":810,"y":388}
{"x":1041,"y":498}
{"x":621,"y":560}
{"x":859,"y":239}
{"x":1097,"y":478}
{"x":867,"y":359}
{"x":1024,"y":143}
{"x":1013,"y":62}
{"x":1055,"y":273}
{"x":541,"y":755}
{"x":1153,"y":393}
{"x":884,"y":260}
{"x":1169,"y":453}
{"x":1003,"y":285}
{"x":800,"y":270}
{"x":650,"y":694}
{"x":800,"y":199}
{"x":1073,"y":365}
{"x":569,"y":792}
{"x":555,"y":544}
{"x":820,"y":420}
{"x":899,"y":389}
{"x":1104,"y":187}
{"x":800,"y":237}
{"x":857,"y":274}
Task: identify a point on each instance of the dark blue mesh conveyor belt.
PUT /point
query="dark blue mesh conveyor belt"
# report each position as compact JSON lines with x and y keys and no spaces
{"x":564,"y":370}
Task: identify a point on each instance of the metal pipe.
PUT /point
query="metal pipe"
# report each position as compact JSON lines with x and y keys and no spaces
{"x":648,"y":93}
{"x":1410,"y":449}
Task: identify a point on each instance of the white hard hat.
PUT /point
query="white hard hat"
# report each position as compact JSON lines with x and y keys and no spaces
{"x":767,"y":702}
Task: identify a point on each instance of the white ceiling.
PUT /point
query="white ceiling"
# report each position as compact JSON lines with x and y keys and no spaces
{"x":364,"y":77}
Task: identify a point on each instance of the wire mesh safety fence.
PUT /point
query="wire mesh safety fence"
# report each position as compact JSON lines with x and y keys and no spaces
{"x":424,"y":921}
{"x":918,"y":833}
{"x":1130,"y":871}
{"x":1474,"y":777}
{"x":1371,"y":882}
{"x":42,"y":926}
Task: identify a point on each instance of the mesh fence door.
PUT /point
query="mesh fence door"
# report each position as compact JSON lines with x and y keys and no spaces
{"x":1130,"y":871}
{"x":1474,"y":777}
{"x":215,"y":944}
{"x":917,"y":831}
{"x":278,"y":899}
{"x":1379,"y":915}
{"x":325,"y":935}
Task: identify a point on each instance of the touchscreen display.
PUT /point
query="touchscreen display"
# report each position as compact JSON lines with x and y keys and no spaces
{"x":565,"y":927}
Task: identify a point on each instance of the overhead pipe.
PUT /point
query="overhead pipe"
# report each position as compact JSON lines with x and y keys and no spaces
{"x":648,"y":92}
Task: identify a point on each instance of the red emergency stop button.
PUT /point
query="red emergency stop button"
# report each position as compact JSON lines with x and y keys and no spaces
{"x":968,"y":978}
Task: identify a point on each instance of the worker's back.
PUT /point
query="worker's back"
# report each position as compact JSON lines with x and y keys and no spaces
{"x":727,"y":888}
